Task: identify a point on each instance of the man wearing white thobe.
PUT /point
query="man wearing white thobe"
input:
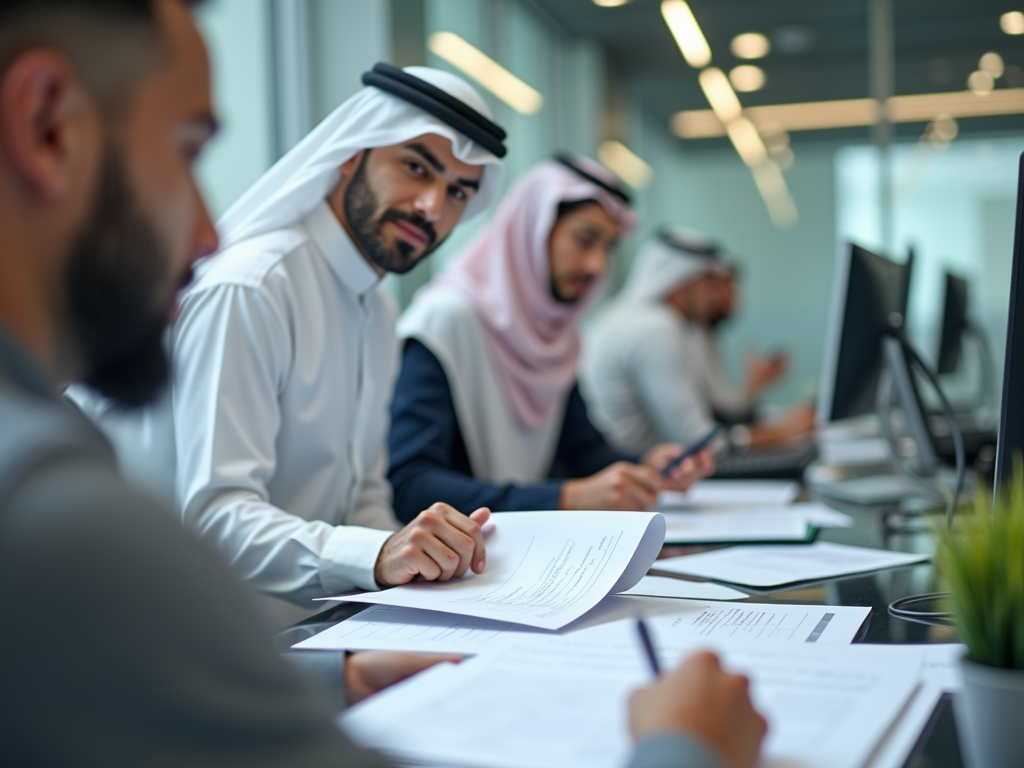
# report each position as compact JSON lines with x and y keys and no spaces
{"x":272,"y":441}
{"x":652,"y":371}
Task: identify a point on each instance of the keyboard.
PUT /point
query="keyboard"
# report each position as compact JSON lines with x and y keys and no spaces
{"x":783,"y":464}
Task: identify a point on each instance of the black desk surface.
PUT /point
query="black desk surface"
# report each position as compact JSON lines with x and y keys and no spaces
{"x":880,"y":527}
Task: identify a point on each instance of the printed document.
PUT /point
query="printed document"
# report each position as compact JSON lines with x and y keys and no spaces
{"x":663,"y":586}
{"x":387,"y":628}
{"x":544,"y":569}
{"x":777,"y":565}
{"x":561,"y":703}
{"x":734,"y":527}
{"x":731,"y":493}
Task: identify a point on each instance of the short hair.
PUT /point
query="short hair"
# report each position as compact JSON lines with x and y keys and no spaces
{"x":112,"y":44}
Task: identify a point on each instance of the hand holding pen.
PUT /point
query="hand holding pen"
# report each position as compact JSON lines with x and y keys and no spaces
{"x":700,"y":699}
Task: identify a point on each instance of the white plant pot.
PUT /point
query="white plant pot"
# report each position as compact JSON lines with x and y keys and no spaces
{"x":989,"y":714}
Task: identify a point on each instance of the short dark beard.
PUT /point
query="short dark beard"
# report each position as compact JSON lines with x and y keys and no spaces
{"x":360,"y":205}
{"x":558,"y":296}
{"x":117,"y":294}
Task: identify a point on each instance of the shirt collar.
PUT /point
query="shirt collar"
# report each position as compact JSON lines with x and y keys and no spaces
{"x":333,"y":241}
{"x":18,"y":367}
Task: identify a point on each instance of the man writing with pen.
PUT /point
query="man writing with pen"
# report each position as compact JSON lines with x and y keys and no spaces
{"x":486,"y":410}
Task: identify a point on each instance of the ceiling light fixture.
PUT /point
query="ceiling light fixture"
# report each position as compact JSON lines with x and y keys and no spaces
{"x":992,"y":63}
{"x":854,"y":113}
{"x":980,"y":83}
{"x":625,"y":164}
{"x":686,"y":31}
{"x":747,"y":141}
{"x":747,"y":78}
{"x":1012,"y":23}
{"x":720,"y":95}
{"x":727,"y":111}
{"x":610,"y":3}
{"x":750,"y":45}
{"x":940,"y":131}
{"x":486,"y":71}
{"x":772,"y":186}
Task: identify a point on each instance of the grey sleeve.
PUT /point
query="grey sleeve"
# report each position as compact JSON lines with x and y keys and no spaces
{"x":673,"y":750}
{"x":325,"y":670}
{"x":128,"y":642}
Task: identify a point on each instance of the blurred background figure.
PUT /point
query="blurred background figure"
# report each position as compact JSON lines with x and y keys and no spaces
{"x":652,"y":368}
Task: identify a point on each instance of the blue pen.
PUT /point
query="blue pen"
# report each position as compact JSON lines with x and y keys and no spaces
{"x":645,"y":640}
{"x":694,"y":448}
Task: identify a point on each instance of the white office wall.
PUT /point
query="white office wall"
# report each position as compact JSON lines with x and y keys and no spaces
{"x":238,"y":37}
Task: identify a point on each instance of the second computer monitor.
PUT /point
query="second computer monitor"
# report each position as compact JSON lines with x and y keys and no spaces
{"x":954,"y":325}
{"x":870,"y":291}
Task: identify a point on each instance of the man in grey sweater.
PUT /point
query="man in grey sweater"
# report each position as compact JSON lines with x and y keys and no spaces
{"x":126,"y":641}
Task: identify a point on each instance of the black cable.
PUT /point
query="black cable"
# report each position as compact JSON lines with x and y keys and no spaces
{"x":954,"y":425}
{"x":899,"y":608}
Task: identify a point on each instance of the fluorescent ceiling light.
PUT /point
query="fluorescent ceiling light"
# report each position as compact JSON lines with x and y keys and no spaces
{"x":610,"y":3}
{"x":747,"y":78}
{"x":720,"y":95}
{"x":1012,"y":23}
{"x":632,"y":169}
{"x":486,"y":71}
{"x":750,"y":45}
{"x":852,"y":113}
{"x":747,"y":140}
{"x":686,"y":31}
{"x":992,"y":63}
{"x":772,"y":186}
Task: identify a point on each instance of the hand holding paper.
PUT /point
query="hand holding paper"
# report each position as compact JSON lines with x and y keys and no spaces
{"x":440,"y":544}
{"x":544,"y":568}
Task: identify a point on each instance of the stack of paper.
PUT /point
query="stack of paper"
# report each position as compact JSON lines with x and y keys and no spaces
{"x":562,"y":702}
{"x":744,"y":511}
{"x":774,"y":566}
{"x":661,"y":586}
{"x":386,"y":628}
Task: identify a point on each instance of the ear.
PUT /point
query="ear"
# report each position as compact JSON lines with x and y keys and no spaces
{"x":350,"y":165}
{"x":47,"y":123}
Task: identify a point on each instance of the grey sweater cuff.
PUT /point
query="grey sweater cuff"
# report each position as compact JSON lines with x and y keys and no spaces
{"x":325,"y":673}
{"x":673,"y":750}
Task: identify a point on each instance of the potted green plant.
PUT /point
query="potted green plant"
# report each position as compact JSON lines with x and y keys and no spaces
{"x":982,"y":559}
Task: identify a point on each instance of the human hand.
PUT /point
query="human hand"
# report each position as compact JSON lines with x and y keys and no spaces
{"x":440,"y":544}
{"x":689,"y":471}
{"x":700,"y":699}
{"x":368,"y":672}
{"x":798,"y":421}
{"x":620,"y":486}
{"x":762,"y":372}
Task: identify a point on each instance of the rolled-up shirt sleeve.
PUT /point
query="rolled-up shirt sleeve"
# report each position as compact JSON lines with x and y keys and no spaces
{"x":232,"y":352}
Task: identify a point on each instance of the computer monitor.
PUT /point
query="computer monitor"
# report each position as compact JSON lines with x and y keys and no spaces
{"x":954,"y":325}
{"x":1011,"y":415}
{"x":869,"y":290}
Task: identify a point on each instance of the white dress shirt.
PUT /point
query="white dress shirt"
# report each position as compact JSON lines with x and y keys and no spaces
{"x":643,"y":375}
{"x":273,"y":440}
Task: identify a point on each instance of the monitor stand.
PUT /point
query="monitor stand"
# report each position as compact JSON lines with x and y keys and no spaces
{"x":916,"y":478}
